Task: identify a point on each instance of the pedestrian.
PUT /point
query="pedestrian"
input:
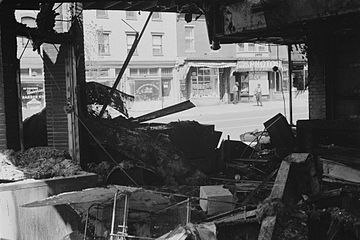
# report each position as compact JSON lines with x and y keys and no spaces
{"x":258,"y":95}
{"x":235,"y":92}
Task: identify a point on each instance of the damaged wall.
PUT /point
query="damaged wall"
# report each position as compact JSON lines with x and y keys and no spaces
{"x":9,"y":100}
{"x":334,"y":60}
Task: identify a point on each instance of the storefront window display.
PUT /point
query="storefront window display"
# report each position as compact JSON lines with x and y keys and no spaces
{"x":204,"y":82}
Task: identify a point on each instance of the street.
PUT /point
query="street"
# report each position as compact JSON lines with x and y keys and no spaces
{"x":235,"y":119}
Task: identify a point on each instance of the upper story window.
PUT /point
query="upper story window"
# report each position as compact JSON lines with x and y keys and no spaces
{"x":251,"y":47}
{"x":103,"y":43}
{"x":157,"y":46}
{"x":189,"y":38}
{"x":102,"y":14}
{"x":131,"y":15}
{"x":156,"y":16}
{"x":30,"y":22}
{"x":130,"y":38}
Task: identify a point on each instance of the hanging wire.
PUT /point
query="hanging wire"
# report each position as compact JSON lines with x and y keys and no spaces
{"x":105,"y":151}
{"x":58,"y":6}
{"x":51,"y":75}
{"x":23,"y":51}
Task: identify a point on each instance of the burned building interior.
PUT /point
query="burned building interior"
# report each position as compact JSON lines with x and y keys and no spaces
{"x":120,"y":178}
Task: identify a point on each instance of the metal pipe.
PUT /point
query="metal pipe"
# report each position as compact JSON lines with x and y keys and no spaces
{"x":113,"y":217}
{"x":188,"y":211}
{"x":86,"y":222}
{"x":290,"y":84}
{"x":126,"y":204}
{"x":124,"y":66}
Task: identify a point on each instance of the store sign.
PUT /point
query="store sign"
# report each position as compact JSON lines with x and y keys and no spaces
{"x":257,"y":65}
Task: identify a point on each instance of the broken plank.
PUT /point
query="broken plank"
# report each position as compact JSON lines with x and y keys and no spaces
{"x":267,"y":228}
{"x":340,"y":171}
{"x":237,"y":217}
{"x":165,"y":111}
{"x":250,"y":160}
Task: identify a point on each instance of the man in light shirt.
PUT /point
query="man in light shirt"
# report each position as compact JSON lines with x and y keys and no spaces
{"x":258,"y":95}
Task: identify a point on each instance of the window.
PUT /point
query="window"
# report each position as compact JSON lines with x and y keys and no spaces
{"x":156,"y":16}
{"x":143,"y":71}
{"x":204,"y":82}
{"x":189,"y":38}
{"x":101,"y":14}
{"x":153,"y":71}
{"x":130,"y":38}
{"x":133,"y":71}
{"x":166,"y":71}
{"x":241,"y":47}
{"x":24,"y":72}
{"x":251,"y":47}
{"x":103,"y":72}
{"x":117,"y":71}
{"x":131,"y":15}
{"x":36,"y":72}
{"x":104,"y":43}
{"x":262,"y":48}
{"x":29,"y":22}
{"x":157,"y":45}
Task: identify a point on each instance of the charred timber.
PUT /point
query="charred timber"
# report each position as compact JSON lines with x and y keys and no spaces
{"x":43,"y":37}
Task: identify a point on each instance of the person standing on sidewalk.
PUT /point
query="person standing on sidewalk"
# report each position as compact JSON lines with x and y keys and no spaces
{"x":258,"y":95}
{"x":235,"y":92}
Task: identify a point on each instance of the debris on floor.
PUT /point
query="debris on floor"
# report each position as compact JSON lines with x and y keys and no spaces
{"x":37,"y":163}
{"x":263,"y":190}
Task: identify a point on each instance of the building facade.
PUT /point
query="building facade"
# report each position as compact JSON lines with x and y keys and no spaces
{"x":172,"y":62}
{"x":204,"y":74}
{"x":109,"y":36}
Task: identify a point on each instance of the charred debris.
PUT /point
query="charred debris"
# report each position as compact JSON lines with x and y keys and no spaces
{"x":283,"y":183}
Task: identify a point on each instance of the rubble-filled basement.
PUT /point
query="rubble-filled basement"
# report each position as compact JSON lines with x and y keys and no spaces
{"x":74,"y":171}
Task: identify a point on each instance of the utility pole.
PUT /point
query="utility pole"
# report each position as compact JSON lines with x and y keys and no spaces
{"x":290,"y":83}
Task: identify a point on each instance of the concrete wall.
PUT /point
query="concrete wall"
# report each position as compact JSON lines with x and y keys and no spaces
{"x":41,"y":223}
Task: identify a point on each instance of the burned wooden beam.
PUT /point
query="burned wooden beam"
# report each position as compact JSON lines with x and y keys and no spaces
{"x":41,"y":37}
{"x":335,"y":171}
{"x":165,"y":111}
{"x":296,"y":175}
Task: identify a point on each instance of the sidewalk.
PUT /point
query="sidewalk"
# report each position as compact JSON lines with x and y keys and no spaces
{"x":140,"y":108}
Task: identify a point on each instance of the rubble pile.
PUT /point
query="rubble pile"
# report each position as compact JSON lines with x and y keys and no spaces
{"x":37,"y":163}
{"x":137,"y":148}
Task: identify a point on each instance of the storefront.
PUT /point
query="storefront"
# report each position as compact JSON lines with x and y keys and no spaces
{"x":206,"y":80}
{"x":150,"y":84}
{"x":252,"y":73}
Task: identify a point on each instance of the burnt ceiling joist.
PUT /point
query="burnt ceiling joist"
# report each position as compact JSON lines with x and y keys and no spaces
{"x":186,"y":6}
{"x":231,"y":21}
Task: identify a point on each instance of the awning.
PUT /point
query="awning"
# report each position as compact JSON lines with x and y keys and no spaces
{"x":212,"y":64}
